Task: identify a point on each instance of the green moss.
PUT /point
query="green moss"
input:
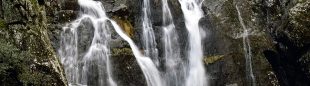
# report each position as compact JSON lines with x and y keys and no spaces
{"x":13,"y":64}
{"x":2,"y":23}
{"x":18,"y":67}
{"x":121,"y":51}
{"x":33,"y":1}
{"x":212,"y":59}
{"x":35,"y":6}
{"x":39,"y":66}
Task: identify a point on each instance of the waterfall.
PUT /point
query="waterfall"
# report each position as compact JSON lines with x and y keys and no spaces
{"x":149,"y":69}
{"x":95,"y":61}
{"x":247,"y":51}
{"x":78,"y":69}
{"x":93,"y":67}
{"x":148,"y":37}
{"x":151,"y":62}
{"x":173,"y":63}
{"x":69,"y":53}
{"x":192,"y":13}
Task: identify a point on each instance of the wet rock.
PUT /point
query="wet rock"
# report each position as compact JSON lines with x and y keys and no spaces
{"x":125,"y":68}
{"x":225,"y":36}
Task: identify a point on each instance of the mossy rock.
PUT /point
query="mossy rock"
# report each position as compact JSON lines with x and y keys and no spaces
{"x":212,"y":59}
{"x":2,"y":24}
{"x":26,"y":27}
{"x":299,"y":31}
{"x":17,"y":67}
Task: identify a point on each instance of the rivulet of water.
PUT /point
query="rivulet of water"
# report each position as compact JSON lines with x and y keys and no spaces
{"x":247,"y":51}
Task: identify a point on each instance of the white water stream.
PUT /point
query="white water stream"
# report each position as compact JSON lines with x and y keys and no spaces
{"x":247,"y":51}
{"x":192,"y":13}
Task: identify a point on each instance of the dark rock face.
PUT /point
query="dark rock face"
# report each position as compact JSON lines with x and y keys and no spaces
{"x":126,"y":71}
{"x":290,"y":31}
{"x":283,"y":40}
{"x":225,"y":38}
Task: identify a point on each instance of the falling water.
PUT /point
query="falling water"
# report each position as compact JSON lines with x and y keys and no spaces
{"x":78,"y":69}
{"x":69,"y":53}
{"x":149,"y":69}
{"x":173,"y":63}
{"x":247,"y":51}
{"x":192,"y":14}
{"x":148,"y":37}
{"x":96,"y":61}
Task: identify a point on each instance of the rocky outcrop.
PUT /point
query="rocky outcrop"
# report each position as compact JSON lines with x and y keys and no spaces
{"x":287,"y":21}
{"x":24,"y":26}
{"x":226,"y":37}
{"x":126,"y":71}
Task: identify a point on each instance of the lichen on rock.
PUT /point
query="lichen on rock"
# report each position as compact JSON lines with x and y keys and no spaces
{"x":212,"y":59}
{"x":26,"y":25}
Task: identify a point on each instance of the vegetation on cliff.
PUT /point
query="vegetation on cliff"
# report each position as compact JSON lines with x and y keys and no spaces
{"x":27,"y":55}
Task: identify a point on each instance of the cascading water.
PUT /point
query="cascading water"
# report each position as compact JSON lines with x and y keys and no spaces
{"x":173,"y":63}
{"x":192,"y":13}
{"x":247,"y":51}
{"x":149,"y":69}
{"x":148,"y":37}
{"x":95,"y":62}
{"x":78,"y":69}
{"x":69,"y":53}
